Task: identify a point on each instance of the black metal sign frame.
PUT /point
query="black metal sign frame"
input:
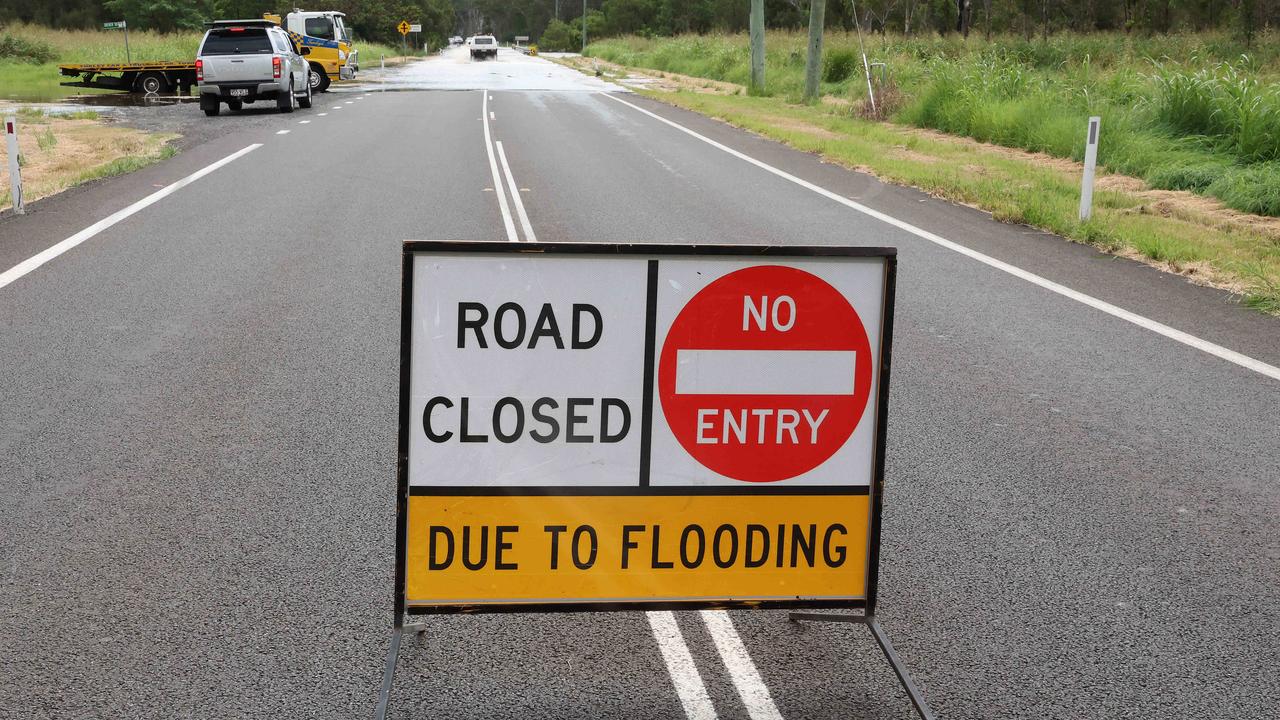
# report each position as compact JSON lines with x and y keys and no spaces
{"x":653,"y":252}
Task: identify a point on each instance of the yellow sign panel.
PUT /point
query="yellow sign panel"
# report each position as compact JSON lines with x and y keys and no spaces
{"x":477,"y":550}
{"x":403,"y":27}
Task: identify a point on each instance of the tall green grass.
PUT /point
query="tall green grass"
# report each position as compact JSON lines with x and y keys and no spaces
{"x":1187,"y":112}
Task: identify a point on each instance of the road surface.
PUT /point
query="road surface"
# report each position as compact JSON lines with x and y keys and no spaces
{"x":198,"y":428}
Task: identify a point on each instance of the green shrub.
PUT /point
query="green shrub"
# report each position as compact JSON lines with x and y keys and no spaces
{"x":560,"y":37}
{"x":24,"y":50}
{"x":1252,"y":188}
{"x":838,"y":65}
{"x":1194,"y":176}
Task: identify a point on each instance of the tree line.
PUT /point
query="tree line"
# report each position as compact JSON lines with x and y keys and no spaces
{"x":376,"y":19}
{"x":368,"y":19}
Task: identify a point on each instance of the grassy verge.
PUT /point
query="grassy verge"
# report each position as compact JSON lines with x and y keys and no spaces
{"x":1183,"y":112}
{"x":62,"y":151}
{"x":1176,"y":231}
{"x":370,"y":52}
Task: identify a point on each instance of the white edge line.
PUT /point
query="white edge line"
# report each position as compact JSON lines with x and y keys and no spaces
{"x":515,"y":196}
{"x":680,"y":666}
{"x":50,"y":253}
{"x":746,"y":678}
{"x":1174,"y":334}
{"x":493,"y":167}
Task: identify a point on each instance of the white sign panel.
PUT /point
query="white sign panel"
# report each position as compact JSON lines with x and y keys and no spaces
{"x":595,"y":370}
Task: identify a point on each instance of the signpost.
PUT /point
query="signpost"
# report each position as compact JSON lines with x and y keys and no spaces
{"x":121,"y":25}
{"x":591,"y":427}
{"x":15,"y":164}
{"x":403,"y":27}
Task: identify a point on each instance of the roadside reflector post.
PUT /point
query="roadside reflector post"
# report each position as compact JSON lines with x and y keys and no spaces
{"x":15,"y":171}
{"x":1090,"y":162}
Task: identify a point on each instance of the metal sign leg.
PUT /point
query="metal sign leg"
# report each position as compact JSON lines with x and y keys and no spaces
{"x":882,"y":639}
{"x":389,"y":674}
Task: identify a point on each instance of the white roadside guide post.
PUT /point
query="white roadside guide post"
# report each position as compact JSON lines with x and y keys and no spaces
{"x":1090,"y":161}
{"x":15,"y":173}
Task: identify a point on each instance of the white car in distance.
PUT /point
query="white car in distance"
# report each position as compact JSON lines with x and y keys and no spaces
{"x":483,"y":46}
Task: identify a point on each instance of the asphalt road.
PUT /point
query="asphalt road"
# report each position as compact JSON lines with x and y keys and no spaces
{"x":198,"y":425}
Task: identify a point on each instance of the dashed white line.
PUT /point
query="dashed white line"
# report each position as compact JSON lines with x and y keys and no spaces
{"x":35,"y":261}
{"x":321,"y":114}
{"x":684,"y":673}
{"x":282,"y":132}
{"x":349,"y":102}
{"x":336,"y":107}
{"x":746,"y":678}
{"x":493,"y":168}
{"x":1159,"y":328}
{"x":515,"y":196}
{"x":491,"y":115}
{"x":303,"y":122}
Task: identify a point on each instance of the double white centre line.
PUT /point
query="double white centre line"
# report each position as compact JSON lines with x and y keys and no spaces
{"x":685,"y":677}
{"x":489,"y":146}
{"x":493,"y":168}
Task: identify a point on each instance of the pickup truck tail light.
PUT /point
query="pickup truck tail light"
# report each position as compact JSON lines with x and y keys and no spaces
{"x":275,"y":67}
{"x":199,"y":70}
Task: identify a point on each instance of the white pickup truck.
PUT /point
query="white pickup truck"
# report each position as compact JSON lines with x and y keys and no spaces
{"x":484,"y":46}
{"x":242,"y":61}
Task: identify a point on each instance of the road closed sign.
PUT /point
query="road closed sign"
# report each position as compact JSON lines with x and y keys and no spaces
{"x":600,"y":426}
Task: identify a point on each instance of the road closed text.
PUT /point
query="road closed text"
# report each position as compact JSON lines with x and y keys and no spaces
{"x":512,"y":327}
{"x":596,"y":548}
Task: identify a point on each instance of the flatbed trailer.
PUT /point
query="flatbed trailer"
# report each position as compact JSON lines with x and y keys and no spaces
{"x":140,"y":77}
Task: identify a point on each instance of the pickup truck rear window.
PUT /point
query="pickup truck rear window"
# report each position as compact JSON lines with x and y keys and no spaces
{"x":236,"y":42}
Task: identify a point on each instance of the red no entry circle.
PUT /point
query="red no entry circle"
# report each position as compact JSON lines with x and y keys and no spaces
{"x":765,"y":373}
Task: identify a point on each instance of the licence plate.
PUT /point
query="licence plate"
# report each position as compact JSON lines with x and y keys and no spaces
{"x":236,"y":92}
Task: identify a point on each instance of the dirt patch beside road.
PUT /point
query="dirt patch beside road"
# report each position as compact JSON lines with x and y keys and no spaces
{"x":61,"y":152}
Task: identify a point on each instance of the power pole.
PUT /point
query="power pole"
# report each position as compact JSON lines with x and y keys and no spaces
{"x":756,"y":86}
{"x":813,"y":68}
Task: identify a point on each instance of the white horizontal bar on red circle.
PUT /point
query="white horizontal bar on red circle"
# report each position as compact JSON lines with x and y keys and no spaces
{"x":765,"y":372}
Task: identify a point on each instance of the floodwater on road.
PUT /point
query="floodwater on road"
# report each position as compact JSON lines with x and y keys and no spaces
{"x":510,"y":70}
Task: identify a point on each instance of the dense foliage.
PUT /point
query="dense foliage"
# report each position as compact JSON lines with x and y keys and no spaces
{"x":375,"y":19}
{"x":368,"y":19}
{"x":1194,"y":112}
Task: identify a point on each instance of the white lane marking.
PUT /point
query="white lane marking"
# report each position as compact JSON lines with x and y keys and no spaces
{"x":349,"y":102}
{"x":497,"y":181}
{"x":282,"y":132}
{"x":515,"y":196}
{"x":491,"y":115}
{"x":45,"y":256}
{"x":336,"y":107}
{"x":746,"y":678}
{"x":684,"y":673}
{"x":323,"y":114}
{"x":490,"y":97}
{"x":303,"y":122}
{"x":1159,"y":328}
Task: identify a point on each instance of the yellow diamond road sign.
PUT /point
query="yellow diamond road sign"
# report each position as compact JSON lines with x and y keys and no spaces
{"x":403,"y":27}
